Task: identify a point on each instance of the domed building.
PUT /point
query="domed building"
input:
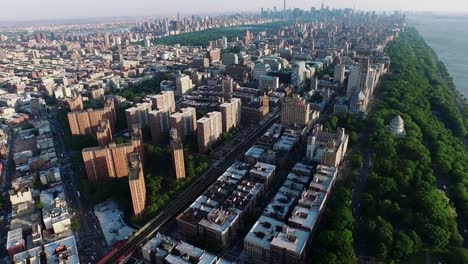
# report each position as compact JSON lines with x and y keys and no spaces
{"x":397,"y":126}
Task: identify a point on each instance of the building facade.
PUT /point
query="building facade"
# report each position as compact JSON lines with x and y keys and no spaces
{"x":183,"y":85}
{"x":163,"y":100}
{"x":177,"y":153}
{"x":104,"y":133}
{"x":159,"y":124}
{"x":86,"y":122}
{"x":103,"y":163}
{"x":138,"y":115}
{"x":185,"y":121}
{"x":295,"y":110}
{"x":209,"y":129}
{"x":231,"y":113}
{"x":136,"y":181}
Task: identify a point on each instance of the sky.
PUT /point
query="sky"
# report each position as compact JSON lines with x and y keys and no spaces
{"x":20,"y":10}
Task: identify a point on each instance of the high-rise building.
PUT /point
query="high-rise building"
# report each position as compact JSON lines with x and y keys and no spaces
{"x":136,"y":181}
{"x":209,"y":129}
{"x":298,"y":74}
{"x":177,"y":152}
{"x":138,"y":114}
{"x":268,"y":83}
{"x":103,"y":163}
{"x":163,"y":100}
{"x":201,"y":63}
{"x":75,"y":103}
{"x":339,"y":74}
{"x":214,"y":55}
{"x":106,"y":40}
{"x":231,"y":113}
{"x":183,"y":85}
{"x":230,"y":59}
{"x":104,"y":133}
{"x":86,"y":122}
{"x":228,"y":86}
{"x":358,"y":78}
{"x":295,"y":110}
{"x":159,"y":124}
{"x":185,"y":121}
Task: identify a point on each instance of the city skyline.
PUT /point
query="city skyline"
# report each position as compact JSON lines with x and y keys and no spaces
{"x":58,"y":10}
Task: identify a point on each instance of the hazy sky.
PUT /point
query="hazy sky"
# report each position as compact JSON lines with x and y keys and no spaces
{"x":54,"y":9}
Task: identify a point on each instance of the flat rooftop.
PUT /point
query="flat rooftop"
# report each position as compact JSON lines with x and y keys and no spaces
{"x":292,"y":239}
{"x":111,"y":222}
{"x":263,"y":231}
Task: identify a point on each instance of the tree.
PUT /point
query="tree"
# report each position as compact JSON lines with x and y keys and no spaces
{"x":436,"y":236}
{"x":402,"y":247}
{"x":75,"y":225}
{"x":457,"y":255}
{"x":40,"y":205}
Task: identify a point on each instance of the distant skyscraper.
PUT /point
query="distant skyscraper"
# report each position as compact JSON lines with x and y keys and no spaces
{"x":136,"y":181}
{"x":339,"y":73}
{"x":177,"y":151}
{"x":297,"y":74}
{"x":106,"y":40}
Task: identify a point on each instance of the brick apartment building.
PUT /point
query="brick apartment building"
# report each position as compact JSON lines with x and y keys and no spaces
{"x":136,"y":182}
{"x":86,"y":122}
{"x":103,"y":163}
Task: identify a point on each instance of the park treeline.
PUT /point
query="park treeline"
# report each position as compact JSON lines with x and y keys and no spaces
{"x":403,"y":206}
{"x":404,"y":210}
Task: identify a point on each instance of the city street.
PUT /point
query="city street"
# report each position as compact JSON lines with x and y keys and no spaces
{"x":89,"y":235}
{"x":8,"y":175}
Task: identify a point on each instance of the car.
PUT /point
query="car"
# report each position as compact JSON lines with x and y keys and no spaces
{"x":444,"y":187}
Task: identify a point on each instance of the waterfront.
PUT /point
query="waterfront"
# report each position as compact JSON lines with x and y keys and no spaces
{"x":454,"y":53}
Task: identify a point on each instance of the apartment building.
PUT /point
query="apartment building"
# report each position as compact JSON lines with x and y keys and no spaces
{"x":103,"y":163}
{"x":185,"y":121}
{"x":136,"y":181}
{"x":231,"y":113}
{"x":86,"y":122}
{"x":209,"y":129}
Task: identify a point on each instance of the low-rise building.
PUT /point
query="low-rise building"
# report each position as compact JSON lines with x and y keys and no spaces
{"x":15,"y":242}
{"x":257,"y":243}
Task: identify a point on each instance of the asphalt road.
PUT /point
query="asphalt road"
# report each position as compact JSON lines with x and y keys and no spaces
{"x":90,"y":238}
{"x":9,"y":171}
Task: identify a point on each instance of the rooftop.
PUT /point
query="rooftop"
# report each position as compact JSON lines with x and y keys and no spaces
{"x":111,"y":222}
{"x":62,"y":251}
{"x":291,"y":239}
{"x":264,"y":230}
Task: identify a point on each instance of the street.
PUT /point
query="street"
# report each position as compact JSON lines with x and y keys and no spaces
{"x":6,"y":186}
{"x":89,"y":235}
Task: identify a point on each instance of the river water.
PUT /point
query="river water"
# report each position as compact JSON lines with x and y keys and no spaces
{"x":448,"y":36}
